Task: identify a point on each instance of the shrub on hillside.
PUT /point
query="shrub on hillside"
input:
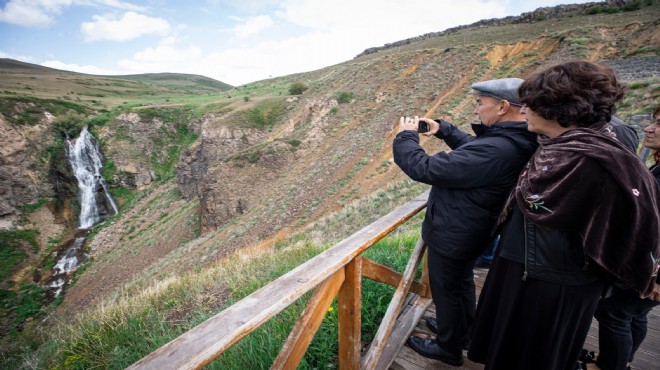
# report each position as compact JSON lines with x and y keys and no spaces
{"x":343,"y":97}
{"x":297,"y":88}
{"x":70,"y":124}
{"x":266,"y":113}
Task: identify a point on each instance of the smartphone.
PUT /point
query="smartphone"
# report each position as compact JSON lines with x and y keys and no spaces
{"x":423,"y":127}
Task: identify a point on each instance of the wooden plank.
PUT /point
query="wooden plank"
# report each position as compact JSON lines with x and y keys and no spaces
{"x":380,"y":340}
{"x":404,"y":326}
{"x":200,"y":345}
{"x":302,"y":334}
{"x":425,"y":275}
{"x":403,"y":364}
{"x":383,"y":274}
{"x":350,"y":316}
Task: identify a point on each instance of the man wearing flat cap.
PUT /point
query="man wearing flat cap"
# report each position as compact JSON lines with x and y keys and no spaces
{"x":469,"y":187}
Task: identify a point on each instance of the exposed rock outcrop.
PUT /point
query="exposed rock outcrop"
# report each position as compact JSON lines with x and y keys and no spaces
{"x":22,"y":181}
{"x":203,"y":170}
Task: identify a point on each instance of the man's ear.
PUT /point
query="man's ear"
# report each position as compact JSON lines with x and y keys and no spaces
{"x":503,"y":108}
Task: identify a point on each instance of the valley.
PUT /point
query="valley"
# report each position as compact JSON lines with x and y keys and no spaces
{"x":209,"y":177}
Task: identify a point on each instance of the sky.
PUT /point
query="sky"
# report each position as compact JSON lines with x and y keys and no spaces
{"x":233,"y":41}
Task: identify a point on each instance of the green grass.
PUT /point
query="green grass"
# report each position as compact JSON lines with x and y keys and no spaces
{"x":14,"y":245}
{"x":27,"y":110}
{"x":265,"y":114}
{"x":123,"y":333}
{"x":173,"y":136}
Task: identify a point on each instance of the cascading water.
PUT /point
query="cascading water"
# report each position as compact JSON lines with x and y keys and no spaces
{"x":68,"y":260}
{"x":85,"y":160}
{"x":95,"y":204}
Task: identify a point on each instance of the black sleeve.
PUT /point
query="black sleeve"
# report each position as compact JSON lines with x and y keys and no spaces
{"x":466,"y":167}
{"x":452,"y":135}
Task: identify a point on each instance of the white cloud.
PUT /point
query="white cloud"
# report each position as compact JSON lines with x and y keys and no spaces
{"x":22,"y":58}
{"x":31,"y":13}
{"x":166,"y":57}
{"x":247,"y":5}
{"x":89,"y":69}
{"x":389,"y":16}
{"x":253,"y":26}
{"x":41,"y":13}
{"x":112,"y":4}
{"x":131,"y":25}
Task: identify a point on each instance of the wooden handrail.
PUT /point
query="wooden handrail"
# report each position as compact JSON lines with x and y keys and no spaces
{"x":200,"y":345}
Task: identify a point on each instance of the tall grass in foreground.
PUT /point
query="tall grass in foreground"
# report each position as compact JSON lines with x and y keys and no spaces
{"x":116,"y":335}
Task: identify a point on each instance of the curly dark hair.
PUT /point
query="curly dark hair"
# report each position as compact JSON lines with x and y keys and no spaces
{"x":579,"y":92}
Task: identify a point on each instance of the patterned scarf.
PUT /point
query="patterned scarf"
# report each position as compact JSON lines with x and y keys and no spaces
{"x":587,"y":182}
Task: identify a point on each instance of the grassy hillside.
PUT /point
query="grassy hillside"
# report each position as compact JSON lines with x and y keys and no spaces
{"x":19,"y":79}
{"x":188,"y":84}
{"x":223,"y":190}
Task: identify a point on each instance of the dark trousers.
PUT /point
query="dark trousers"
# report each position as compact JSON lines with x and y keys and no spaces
{"x":453,"y":290}
{"x":621,"y":327}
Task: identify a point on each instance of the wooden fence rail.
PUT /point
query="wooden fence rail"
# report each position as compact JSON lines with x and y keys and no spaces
{"x":338,"y":271}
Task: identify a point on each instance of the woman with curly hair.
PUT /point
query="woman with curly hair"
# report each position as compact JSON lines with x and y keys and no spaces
{"x":652,"y":141}
{"x":584,"y":213}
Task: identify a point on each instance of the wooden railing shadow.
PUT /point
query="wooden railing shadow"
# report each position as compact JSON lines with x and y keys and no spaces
{"x":337,"y":272}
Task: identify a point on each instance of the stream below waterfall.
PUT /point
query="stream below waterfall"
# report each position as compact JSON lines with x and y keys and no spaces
{"x":96,"y":205}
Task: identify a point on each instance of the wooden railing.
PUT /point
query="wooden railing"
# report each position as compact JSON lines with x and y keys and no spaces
{"x":337,"y":272}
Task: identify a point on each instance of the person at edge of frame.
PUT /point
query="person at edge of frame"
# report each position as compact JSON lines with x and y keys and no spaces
{"x":622,"y":314}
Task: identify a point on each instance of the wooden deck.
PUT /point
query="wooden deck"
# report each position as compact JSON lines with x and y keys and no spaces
{"x":646,"y":358}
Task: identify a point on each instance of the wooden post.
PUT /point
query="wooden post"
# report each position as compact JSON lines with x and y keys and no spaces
{"x":383,"y":274}
{"x":302,"y":334}
{"x":380,"y":340}
{"x":350,"y":316}
{"x":425,"y":274}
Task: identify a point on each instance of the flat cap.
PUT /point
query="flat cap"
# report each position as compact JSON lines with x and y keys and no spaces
{"x":503,"y":88}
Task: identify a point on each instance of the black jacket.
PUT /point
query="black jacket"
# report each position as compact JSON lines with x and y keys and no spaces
{"x":469,"y":184}
{"x":550,"y":255}
{"x":554,"y":256}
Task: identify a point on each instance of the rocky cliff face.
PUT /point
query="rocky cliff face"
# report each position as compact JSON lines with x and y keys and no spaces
{"x":129,"y":144}
{"x":227,"y":168}
{"x":23,"y":177}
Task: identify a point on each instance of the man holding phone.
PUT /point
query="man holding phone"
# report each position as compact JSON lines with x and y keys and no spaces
{"x":469,"y":187}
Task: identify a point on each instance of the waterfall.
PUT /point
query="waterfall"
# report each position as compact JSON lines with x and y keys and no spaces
{"x":85,"y":159}
{"x":67,"y":261}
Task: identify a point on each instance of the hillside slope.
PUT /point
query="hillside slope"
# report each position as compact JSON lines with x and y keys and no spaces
{"x":99,"y":92}
{"x":200,"y":177}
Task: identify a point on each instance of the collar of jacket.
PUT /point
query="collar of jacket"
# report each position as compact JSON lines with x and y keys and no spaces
{"x":481,"y":129}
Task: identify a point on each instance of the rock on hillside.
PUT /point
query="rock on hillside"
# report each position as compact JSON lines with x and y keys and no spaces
{"x":21,"y":180}
{"x":222,"y":188}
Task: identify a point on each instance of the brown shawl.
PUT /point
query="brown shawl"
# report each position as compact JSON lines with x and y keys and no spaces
{"x":589,"y":183}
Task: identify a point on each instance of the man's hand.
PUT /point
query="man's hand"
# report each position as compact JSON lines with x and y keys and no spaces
{"x":412,"y":123}
{"x":655,"y":294}
{"x":434,"y":126}
{"x":408,"y":124}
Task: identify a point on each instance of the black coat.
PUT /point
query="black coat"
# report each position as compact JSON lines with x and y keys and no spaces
{"x":469,"y":184}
